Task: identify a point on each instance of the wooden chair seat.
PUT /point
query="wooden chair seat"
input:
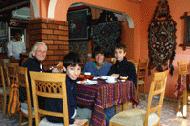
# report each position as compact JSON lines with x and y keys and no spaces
{"x":134,"y":117}
{"x":140,"y":82}
{"x":24,"y":109}
{"x":139,"y":117}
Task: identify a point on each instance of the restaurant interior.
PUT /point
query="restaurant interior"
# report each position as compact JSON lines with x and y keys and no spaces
{"x":156,"y":34}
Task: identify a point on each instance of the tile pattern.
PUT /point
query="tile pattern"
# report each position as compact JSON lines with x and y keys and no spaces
{"x":168,"y":115}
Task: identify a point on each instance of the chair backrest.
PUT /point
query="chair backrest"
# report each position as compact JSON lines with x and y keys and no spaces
{"x":157,"y":89}
{"x":182,"y":67}
{"x":2,"y":79}
{"x":4,"y":63}
{"x":11,"y":71}
{"x":22,"y":73}
{"x":141,"y":70}
{"x":49,"y":85}
{"x":135,"y":63}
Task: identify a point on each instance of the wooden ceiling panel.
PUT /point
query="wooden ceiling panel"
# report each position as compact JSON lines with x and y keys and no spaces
{"x":9,"y":5}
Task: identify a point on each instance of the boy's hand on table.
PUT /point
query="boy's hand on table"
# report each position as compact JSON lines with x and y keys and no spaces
{"x":115,"y":75}
{"x":79,"y":122}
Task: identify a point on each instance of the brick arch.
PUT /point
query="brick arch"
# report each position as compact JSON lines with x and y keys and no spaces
{"x":35,"y":9}
{"x":128,"y":18}
{"x":64,"y":6}
{"x":51,"y":9}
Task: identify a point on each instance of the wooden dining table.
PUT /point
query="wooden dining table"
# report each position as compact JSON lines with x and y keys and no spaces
{"x":102,"y":95}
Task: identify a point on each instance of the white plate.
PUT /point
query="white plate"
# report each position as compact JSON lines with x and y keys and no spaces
{"x":111,"y":82}
{"x":80,"y":82}
{"x":97,"y":77}
{"x":90,"y":82}
{"x":104,"y":77}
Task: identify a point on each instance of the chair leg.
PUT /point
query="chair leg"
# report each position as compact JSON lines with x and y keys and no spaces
{"x":144,"y":91}
{"x":184,"y":106}
{"x":179,"y":108}
{"x":141,"y":86}
{"x":4,"y":103}
{"x":29,"y":121}
{"x":137,"y":91}
{"x":20,"y":118}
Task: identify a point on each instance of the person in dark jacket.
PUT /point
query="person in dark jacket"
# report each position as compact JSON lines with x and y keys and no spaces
{"x":123,"y":67}
{"x":71,"y":63}
{"x":34,"y":63}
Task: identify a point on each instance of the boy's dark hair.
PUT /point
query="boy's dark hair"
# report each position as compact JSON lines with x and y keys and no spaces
{"x":99,"y":50}
{"x":121,"y":46}
{"x":72,"y":59}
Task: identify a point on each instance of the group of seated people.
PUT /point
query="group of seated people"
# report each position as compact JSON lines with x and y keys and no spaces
{"x":71,"y":63}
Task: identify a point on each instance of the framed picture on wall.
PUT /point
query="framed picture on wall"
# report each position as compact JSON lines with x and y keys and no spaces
{"x":186,"y":19}
{"x":14,"y":30}
{"x":187,"y":28}
{"x":78,"y":24}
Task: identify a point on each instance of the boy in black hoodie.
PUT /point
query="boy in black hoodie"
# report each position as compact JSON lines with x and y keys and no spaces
{"x":123,"y":67}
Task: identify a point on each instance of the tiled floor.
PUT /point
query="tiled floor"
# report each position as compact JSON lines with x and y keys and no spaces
{"x":168,"y":115}
{"x":5,"y":121}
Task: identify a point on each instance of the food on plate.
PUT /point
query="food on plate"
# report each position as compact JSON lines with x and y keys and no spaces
{"x":84,"y":77}
{"x":123,"y":77}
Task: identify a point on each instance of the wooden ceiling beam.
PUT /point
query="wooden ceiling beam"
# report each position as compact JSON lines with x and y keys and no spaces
{"x":13,"y":6}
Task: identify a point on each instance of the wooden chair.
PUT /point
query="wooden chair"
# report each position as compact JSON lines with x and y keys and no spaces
{"x":4,"y":91}
{"x":182,"y":102}
{"x":135,"y":63}
{"x":11,"y":76}
{"x":150,"y":117}
{"x":26,"y":106}
{"x":49,"y":85}
{"x":141,"y":75}
{"x":11,"y":73}
{"x":182,"y":67}
{"x":5,"y":82}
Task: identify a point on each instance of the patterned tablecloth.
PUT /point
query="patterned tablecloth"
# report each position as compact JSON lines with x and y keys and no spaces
{"x":102,"y":95}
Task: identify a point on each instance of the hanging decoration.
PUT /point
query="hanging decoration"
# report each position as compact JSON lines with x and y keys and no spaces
{"x":162,"y":38}
{"x":106,"y":33}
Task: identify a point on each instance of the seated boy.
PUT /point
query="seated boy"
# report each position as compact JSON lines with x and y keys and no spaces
{"x":122,"y":67}
{"x":71,"y":63}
